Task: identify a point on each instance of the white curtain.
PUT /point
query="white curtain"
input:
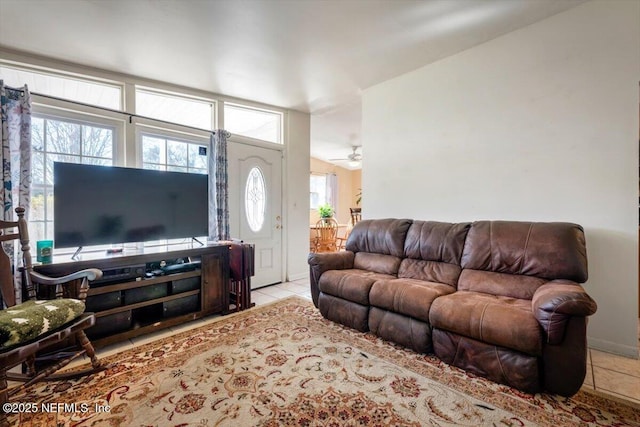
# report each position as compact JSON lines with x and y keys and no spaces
{"x":332,"y":191}
{"x":15,"y":134}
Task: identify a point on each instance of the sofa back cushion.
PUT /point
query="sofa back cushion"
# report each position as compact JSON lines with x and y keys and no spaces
{"x":502,"y":284}
{"x":551,"y":250}
{"x":379,"y":236}
{"x":378,"y":244}
{"x":433,"y":251}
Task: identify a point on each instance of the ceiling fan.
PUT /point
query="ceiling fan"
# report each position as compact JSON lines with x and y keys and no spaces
{"x":354,"y":158}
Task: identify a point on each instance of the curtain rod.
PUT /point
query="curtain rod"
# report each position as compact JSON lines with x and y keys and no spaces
{"x":131,"y":115}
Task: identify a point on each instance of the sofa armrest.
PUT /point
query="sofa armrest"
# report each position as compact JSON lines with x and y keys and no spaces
{"x":321,"y":262}
{"x":555,"y":302}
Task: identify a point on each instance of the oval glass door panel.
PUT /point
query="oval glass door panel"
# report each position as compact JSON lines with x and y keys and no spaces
{"x":255,"y":196}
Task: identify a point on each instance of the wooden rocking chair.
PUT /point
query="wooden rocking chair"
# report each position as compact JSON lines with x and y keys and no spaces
{"x":35,"y":325}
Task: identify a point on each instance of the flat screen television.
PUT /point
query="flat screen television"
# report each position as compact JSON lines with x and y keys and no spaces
{"x":96,"y":205}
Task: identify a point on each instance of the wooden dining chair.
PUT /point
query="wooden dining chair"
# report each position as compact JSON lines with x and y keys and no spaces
{"x":342,"y":240}
{"x":326,"y":235}
{"x":356,"y":215}
{"x":30,"y":329}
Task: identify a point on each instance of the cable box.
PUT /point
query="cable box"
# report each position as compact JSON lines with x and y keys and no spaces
{"x":119,"y":274}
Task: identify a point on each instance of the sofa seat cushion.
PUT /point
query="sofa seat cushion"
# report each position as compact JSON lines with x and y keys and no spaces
{"x":410,"y":297}
{"x":502,"y":321}
{"x":27,"y":321}
{"x":351,"y":284}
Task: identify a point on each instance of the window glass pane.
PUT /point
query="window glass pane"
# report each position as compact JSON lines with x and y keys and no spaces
{"x":181,"y":156}
{"x":255,"y":199}
{"x":36,"y":231}
{"x":174,"y":109}
{"x":74,"y":89}
{"x":37,"y":204}
{"x":37,"y":134}
{"x":318,"y":190}
{"x":57,"y":158}
{"x":96,"y":161}
{"x":153,"y":166}
{"x":48,"y":230}
{"x":177,"y":169}
{"x":259,"y":124}
{"x":37,"y":168}
{"x":48,"y":194}
{"x":176,"y":153}
{"x":62,"y":137}
{"x":96,"y":142}
{"x":197,"y":160}
{"x":153,"y":150}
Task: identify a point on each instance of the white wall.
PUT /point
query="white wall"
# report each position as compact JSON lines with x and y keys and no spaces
{"x":540,"y":124}
{"x":296,"y":180}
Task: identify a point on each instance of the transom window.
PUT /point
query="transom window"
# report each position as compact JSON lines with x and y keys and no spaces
{"x":66,"y":87}
{"x":161,"y":153}
{"x":59,"y":140}
{"x":254,"y":123}
{"x":175,"y":109}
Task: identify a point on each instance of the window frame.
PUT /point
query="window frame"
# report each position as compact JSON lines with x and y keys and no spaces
{"x":157,"y":132}
{"x":79,"y":118}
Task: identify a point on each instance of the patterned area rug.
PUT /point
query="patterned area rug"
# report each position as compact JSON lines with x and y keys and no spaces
{"x":284,"y":365}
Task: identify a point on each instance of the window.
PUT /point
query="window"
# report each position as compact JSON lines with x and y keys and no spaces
{"x":323,"y":189}
{"x":161,"y":153}
{"x":318,"y":186}
{"x":254,"y":123}
{"x":175,"y":109}
{"x":61,"y":140}
{"x":61,"y":86}
{"x":168,"y":154}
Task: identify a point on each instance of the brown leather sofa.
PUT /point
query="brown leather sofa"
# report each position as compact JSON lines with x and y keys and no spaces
{"x":500,"y":299}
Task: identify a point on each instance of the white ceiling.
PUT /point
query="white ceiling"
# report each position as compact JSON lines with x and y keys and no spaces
{"x":309,"y":55}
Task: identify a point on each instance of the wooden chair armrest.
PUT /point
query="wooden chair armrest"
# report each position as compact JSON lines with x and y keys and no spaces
{"x":90,"y":274}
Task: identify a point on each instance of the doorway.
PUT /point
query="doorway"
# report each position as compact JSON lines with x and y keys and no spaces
{"x":255,"y":207}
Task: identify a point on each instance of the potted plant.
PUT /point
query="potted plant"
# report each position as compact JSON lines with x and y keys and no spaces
{"x":325,"y":211}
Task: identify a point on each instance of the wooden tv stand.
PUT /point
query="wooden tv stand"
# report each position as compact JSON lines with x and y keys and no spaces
{"x":128,"y":304}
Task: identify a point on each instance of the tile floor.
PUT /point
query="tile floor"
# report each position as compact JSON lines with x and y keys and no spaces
{"x":611,"y":374}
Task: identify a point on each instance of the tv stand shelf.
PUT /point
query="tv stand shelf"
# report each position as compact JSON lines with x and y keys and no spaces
{"x":133,"y":306}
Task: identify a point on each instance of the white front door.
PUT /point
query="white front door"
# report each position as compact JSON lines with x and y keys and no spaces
{"x":255,"y":207}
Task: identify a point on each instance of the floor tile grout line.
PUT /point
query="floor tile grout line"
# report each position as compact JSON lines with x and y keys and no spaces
{"x":617,"y":372}
{"x":593,"y":374}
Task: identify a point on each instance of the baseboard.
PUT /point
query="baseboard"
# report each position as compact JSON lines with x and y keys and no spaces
{"x":612,"y":347}
{"x":299,"y":276}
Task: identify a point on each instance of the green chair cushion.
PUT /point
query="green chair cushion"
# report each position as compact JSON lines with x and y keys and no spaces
{"x":29,"y":320}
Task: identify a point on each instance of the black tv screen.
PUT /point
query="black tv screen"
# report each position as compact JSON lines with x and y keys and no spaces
{"x":95,"y":205}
